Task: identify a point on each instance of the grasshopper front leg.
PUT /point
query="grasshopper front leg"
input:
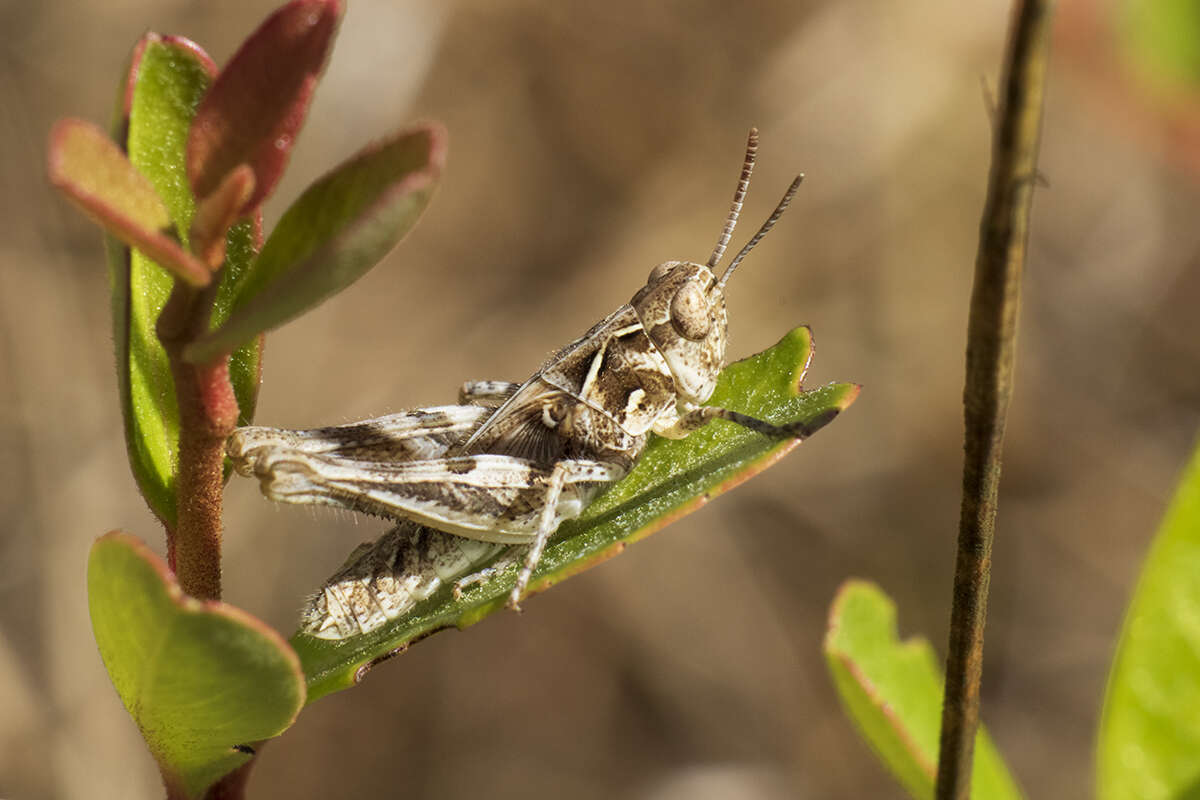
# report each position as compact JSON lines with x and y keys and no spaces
{"x":680,"y":426}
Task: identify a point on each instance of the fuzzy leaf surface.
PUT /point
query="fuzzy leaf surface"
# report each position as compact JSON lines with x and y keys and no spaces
{"x":671,"y":479}
{"x":893,"y":692}
{"x":199,"y":678}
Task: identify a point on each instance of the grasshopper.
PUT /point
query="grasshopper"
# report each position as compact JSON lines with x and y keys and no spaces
{"x":511,"y":461}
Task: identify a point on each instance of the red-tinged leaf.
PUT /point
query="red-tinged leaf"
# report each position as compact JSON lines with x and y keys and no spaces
{"x":258,"y":103}
{"x":892,"y":690}
{"x":92,"y":172}
{"x":216,"y":213}
{"x":333,"y":234}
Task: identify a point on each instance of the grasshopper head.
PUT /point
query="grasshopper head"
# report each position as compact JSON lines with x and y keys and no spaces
{"x":686,"y":322}
{"x":682,"y":305}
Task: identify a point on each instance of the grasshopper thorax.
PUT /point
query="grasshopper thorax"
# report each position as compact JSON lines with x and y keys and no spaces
{"x":686,"y":323}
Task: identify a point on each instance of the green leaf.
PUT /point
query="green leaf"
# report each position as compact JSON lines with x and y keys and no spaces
{"x":670,"y":480}
{"x":333,"y":234}
{"x":199,"y":678}
{"x":893,"y":692}
{"x":256,"y":106}
{"x":1149,"y":742}
{"x":166,"y":79}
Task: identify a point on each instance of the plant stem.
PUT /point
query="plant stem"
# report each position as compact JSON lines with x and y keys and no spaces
{"x":207,"y":415}
{"x":991,"y":341}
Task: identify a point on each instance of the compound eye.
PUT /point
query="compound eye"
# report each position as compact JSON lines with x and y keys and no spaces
{"x":689,"y":312}
{"x":659,"y":272}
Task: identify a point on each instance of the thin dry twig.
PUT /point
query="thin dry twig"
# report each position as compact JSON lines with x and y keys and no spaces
{"x":991,"y":341}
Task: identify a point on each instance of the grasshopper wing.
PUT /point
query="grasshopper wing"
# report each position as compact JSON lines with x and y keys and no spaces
{"x":422,"y":433}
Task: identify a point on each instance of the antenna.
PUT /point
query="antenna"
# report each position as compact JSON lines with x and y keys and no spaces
{"x":766,"y":226}
{"x":738,"y":196}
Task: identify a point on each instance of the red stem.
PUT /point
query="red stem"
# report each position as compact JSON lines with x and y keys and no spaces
{"x":208,"y":413}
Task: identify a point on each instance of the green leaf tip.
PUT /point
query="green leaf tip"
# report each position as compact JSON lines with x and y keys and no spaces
{"x":201,"y":679}
{"x":1149,"y":738}
{"x":671,"y":479}
{"x":892,"y":690}
{"x":182,"y":49}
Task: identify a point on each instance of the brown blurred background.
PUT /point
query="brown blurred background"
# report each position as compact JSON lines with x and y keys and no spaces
{"x":590,"y":141}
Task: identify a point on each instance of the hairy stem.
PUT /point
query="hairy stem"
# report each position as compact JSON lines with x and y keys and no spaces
{"x":991,"y":341}
{"x":207,"y":415}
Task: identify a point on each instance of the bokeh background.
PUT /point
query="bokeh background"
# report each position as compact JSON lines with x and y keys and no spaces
{"x":590,"y":141}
